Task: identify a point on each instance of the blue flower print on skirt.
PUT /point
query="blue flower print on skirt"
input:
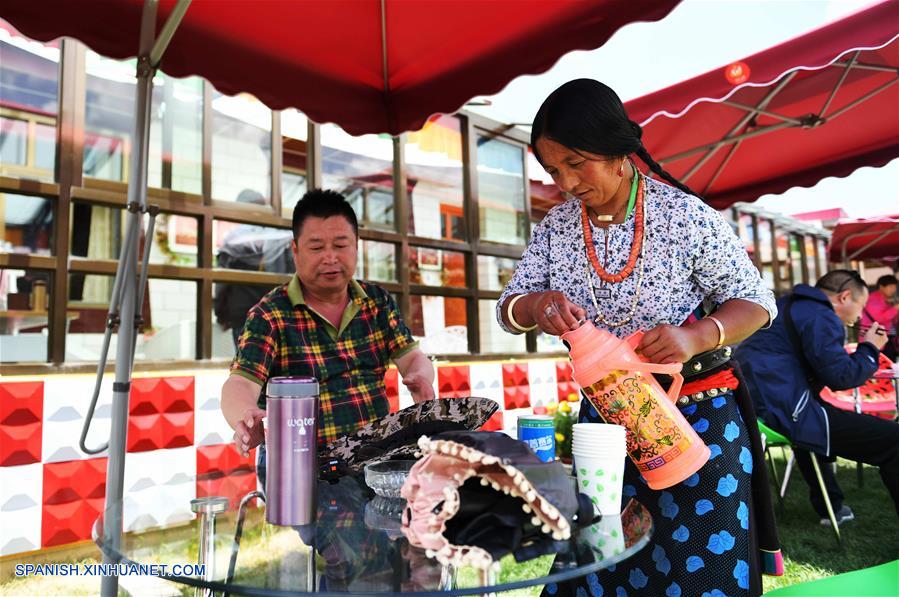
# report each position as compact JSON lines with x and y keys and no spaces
{"x":701,"y":543}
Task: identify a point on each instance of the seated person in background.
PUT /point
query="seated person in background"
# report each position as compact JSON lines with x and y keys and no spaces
{"x":326,"y":325}
{"x":788,"y":364}
{"x":882,"y":308}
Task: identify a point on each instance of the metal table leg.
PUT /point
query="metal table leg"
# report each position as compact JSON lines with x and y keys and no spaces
{"x":241,"y":515}
{"x":207,"y":508}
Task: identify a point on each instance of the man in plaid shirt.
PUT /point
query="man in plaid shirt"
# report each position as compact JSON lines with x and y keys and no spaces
{"x":326,"y":325}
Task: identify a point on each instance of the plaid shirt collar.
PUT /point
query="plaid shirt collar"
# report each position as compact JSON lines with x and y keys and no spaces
{"x":358,"y":299}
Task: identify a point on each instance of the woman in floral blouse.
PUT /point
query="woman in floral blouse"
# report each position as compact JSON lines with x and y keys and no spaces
{"x":632,"y":253}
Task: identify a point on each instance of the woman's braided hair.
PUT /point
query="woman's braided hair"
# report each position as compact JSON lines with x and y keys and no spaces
{"x":587,"y":115}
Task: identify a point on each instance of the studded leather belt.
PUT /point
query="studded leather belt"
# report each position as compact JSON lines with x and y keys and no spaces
{"x":703,"y":363}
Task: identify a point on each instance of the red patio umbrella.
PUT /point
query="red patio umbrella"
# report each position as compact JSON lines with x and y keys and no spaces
{"x":371,"y":66}
{"x":822,"y":104}
{"x":867,"y":238}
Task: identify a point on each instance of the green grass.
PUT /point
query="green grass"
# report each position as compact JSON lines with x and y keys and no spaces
{"x":811,"y":551}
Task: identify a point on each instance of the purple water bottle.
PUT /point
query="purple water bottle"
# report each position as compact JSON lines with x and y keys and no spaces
{"x":291,"y":465}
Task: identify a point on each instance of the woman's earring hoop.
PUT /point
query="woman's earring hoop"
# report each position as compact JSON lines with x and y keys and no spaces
{"x":621,"y":168}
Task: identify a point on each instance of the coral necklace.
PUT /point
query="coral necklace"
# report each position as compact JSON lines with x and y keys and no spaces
{"x":636,"y":245}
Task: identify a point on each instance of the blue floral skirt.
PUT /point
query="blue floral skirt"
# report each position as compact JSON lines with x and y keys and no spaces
{"x":701,"y":541}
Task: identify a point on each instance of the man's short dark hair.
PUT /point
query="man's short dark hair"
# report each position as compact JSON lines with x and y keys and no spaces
{"x":838,"y":280}
{"x":319,"y":203}
{"x":887,"y":280}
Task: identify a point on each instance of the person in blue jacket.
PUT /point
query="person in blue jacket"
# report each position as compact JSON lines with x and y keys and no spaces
{"x":787,"y":365}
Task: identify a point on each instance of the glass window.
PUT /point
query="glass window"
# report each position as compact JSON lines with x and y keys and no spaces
{"x":26,"y":224}
{"x":29,"y":82}
{"x":822,"y":257}
{"x":179,"y":147}
{"x":784,"y":261}
{"x":174,"y":240}
{"x":494,"y":338}
{"x":294,"y":133}
{"x":440,"y":323}
{"x":24,"y":321}
{"x":746,"y":232}
{"x":169,"y":312}
{"x":501,"y":191}
{"x":253,"y":248}
{"x":362,"y":169}
{"x":241,"y":149}
{"x":435,"y":178}
{"x":813,"y":272}
{"x":176,"y":135}
{"x":230,"y":303}
{"x":97,"y":232}
{"x":766,"y":263}
{"x":547,"y":343}
{"x":434,"y":267}
{"x":376,"y":261}
{"x":544,"y":193}
{"x":13,"y":141}
{"x":495,"y":272}
{"x":796,"y":259}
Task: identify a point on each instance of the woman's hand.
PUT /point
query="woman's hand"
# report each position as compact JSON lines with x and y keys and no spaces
{"x":554,"y":313}
{"x":670,"y":344}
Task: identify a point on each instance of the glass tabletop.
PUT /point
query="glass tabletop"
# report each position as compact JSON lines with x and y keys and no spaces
{"x":356,"y":546}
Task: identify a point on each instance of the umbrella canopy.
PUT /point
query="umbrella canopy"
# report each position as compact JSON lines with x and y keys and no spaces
{"x":371,"y":66}
{"x":871,"y":238}
{"x":822,"y":104}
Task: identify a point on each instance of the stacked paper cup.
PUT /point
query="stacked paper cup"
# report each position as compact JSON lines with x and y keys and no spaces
{"x":599,"y":451}
{"x":606,"y":537}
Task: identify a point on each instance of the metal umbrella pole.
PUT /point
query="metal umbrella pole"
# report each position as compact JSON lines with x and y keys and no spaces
{"x":128,"y":289}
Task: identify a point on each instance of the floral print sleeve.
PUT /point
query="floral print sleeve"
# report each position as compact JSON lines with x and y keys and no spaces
{"x":722,"y":268}
{"x":691,"y":254}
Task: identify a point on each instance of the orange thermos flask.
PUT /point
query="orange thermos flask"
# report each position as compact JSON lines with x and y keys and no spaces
{"x":620,"y":385}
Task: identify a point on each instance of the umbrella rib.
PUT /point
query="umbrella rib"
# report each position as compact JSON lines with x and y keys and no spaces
{"x":721,"y":167}
{"x":384,"y":48}
{"x":757,"y":110}
{"x":883,"y":68}
{"x":729,"y":140}
{"x":863,"y":98}
{"x":713,"y":147}
{"x":883,"y":234}
{"x":840,"y":82}
{"x":168,"y":31}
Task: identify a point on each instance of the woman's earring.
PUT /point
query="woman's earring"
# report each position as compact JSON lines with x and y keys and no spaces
{"x":621,"y":169}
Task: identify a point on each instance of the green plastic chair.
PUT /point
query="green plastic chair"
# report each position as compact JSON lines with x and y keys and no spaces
{"x":773,"y":439}
{"x":879,"y":581}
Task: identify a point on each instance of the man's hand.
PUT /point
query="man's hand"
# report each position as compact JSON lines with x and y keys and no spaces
{"x":239,"y":396}
{"x":249,"y":431}
{"x":417,"y":372}
{"x":876,"y":335}
{"x":420,"y":388}
{"x":670,"y":344}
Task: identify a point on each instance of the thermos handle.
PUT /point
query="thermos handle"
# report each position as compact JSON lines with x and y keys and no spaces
{"x":677,"y":381}
{"x":668,"y":368}
{"x":672,"y":369}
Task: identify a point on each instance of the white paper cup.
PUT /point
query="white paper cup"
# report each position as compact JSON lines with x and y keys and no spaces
{"x":601,"y":478}
{"x":605,"y":537}
{"x":597,"y":430}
